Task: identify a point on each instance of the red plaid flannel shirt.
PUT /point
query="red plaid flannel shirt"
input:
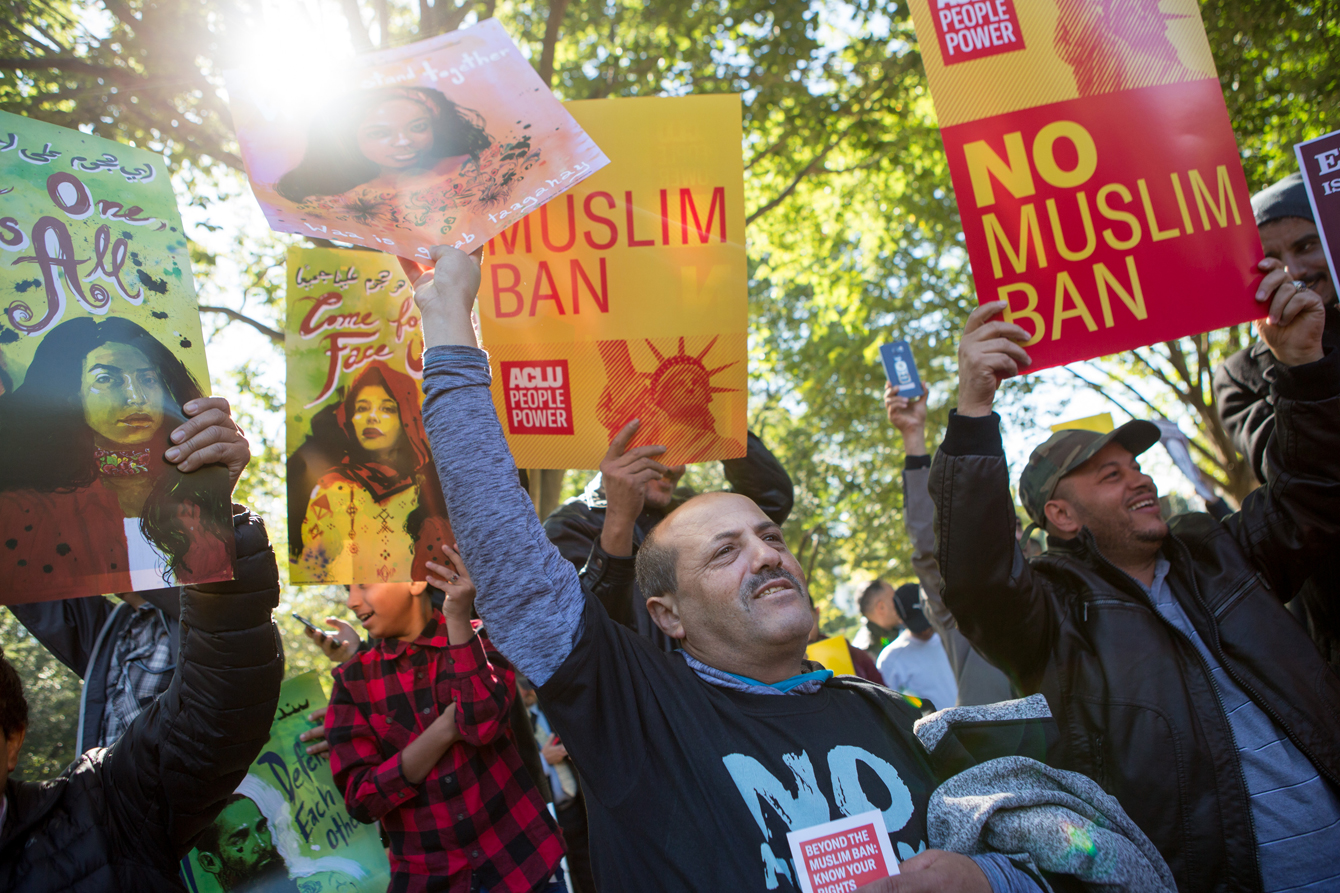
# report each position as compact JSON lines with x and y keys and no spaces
{"x":478,"y":811}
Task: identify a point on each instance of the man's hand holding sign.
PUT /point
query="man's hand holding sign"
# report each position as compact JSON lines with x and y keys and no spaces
{"x":991,"y":349}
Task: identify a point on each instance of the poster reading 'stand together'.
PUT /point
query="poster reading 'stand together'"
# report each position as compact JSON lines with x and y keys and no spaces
{"x":1095,"y":168}
{"x":442,"y":142}
{"x":626,"y":298}
{"x":365,"y":504}
{"x":286,"y":829}
{"x":100,"y":347}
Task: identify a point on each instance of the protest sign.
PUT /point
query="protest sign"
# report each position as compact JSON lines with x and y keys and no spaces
{"x":627,"y":298}
{"x":286,"y":829}
{"x":833,"y":653}
{"x":1095,"y":168}
{"x":1102,"y":423}
{"x":838,"y":857}
{"x":100,"y":347}
{"x":442,"y":142}
{"x":365,"y":503}
{"x":1319,"y":160}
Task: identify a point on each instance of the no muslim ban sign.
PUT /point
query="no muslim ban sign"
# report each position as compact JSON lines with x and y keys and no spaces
{"x":841,"y":856}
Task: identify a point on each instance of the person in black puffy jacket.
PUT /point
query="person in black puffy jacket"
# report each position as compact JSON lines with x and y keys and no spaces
{"x":122,"y":817}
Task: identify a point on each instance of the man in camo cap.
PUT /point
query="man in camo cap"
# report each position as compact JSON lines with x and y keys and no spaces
{"x":1179,"y":681}
{"x":1067,"y":450}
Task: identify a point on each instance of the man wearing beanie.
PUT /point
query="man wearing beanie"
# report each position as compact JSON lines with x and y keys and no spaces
{"x":1242,"y":383}
{"x":916,"y":662}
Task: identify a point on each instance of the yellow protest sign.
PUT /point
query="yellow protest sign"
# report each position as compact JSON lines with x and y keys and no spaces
{"x":1102,"y":423}
{"x":833,"y":654}
{"x":627,"y":297}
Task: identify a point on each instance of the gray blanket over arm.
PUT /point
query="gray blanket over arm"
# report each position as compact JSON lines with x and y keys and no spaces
{"x":1040,"y":817}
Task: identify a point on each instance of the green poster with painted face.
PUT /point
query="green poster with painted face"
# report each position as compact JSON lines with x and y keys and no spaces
{"x":100,"y":348}
{"x":286,"y":830}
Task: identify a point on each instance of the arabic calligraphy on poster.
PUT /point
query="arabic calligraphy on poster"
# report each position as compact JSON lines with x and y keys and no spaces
{"x":445,"y":141}
{"x":1095,"y":169}
{"x":365,"y":503}
{"x":100,"y":347}
{"x":627,"y":298}
{"x":286,"y":829}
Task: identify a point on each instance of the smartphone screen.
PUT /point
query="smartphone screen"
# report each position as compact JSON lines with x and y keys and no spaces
{"x":307,"y":623}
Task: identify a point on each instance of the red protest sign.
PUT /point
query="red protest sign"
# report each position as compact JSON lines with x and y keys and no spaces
{"x":838,"y":857}
{"x":1096,"y":173}
{"x":1319,"y":160}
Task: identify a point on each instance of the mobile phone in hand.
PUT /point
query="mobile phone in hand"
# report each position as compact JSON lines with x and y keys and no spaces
{"x":307,"y":623}
{"x":901,"y":369}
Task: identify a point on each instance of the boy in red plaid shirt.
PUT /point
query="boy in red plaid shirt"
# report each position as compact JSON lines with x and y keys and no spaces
{"x":419,"y":739}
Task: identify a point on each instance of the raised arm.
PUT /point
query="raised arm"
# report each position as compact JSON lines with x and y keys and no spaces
{"x":529,"y":595}
{"x":908,"y":416}
{"x":170,"y":774}
{"x":988,"y":586}
{"x":1290,"y":522}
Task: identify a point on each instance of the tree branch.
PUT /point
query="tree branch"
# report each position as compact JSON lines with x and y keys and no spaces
{"x":275,"y":336}
{"x":557,"y":8}
{"x":785,"y":193}
{"x":358,"y":32}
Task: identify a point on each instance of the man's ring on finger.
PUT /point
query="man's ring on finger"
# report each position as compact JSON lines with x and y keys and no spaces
{"x":455,"y":577}
{"x":1299,"y":285}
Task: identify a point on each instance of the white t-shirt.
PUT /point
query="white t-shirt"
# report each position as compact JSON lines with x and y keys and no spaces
{"x":919,"y":668}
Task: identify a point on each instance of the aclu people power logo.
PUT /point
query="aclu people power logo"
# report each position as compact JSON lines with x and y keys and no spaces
{"x":538,"y":397}
{"x":975,"y":29}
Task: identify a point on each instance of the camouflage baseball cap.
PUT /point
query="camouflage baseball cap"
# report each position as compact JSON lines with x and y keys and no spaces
{"x":1067,"y":450}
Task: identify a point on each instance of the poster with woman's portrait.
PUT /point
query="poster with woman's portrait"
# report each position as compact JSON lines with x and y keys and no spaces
{"x":364,"y":501}
{"x":442,"y":142}
{"x":100,"y":347}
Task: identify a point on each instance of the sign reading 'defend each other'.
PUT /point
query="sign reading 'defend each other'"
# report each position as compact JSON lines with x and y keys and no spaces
{"x":1095,"y":168}
{"x":100,"y":348}
{"x":285,"y":829}
{"x":443,"y":142}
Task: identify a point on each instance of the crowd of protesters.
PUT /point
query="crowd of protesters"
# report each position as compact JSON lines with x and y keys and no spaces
{"x":618,"y":697}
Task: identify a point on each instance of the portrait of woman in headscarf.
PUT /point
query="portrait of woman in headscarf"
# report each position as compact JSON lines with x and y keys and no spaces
{"x":88,"y":503}
{"x":377,"y":515}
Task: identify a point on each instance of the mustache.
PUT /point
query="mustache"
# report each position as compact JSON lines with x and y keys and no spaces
{"x":751,"y":583}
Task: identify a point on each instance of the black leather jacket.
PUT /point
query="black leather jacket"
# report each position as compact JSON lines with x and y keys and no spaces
{"x":1247,"y":408}
{"x":1133,"y":698}
{"x":575,"y":527}
{"x":121,"y":818}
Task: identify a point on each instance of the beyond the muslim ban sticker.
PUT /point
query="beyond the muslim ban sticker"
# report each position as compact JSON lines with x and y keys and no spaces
{"x":837,"y":857}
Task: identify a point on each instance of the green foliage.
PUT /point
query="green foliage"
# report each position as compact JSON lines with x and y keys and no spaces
{"x":52,"y":692}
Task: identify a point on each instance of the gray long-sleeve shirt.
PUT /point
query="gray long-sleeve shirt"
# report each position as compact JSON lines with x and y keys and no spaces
{"x":978,"y":681}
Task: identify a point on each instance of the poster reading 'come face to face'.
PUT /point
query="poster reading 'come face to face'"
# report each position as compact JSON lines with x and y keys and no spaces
{"x":443,"y":142}
{"x":286,"y":829}
{"x":627,"y":297}
{"x":100,"y":347}
{"x":365,"y":503}
{"x":1095,"y":169}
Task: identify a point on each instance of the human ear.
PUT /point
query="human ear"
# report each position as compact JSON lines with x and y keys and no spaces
{"x":15,"y":744}
{"x":418,"y":587}
{"x":665,"y":614}
{"x":1062,"y":518}
{"x":208,"y":861}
